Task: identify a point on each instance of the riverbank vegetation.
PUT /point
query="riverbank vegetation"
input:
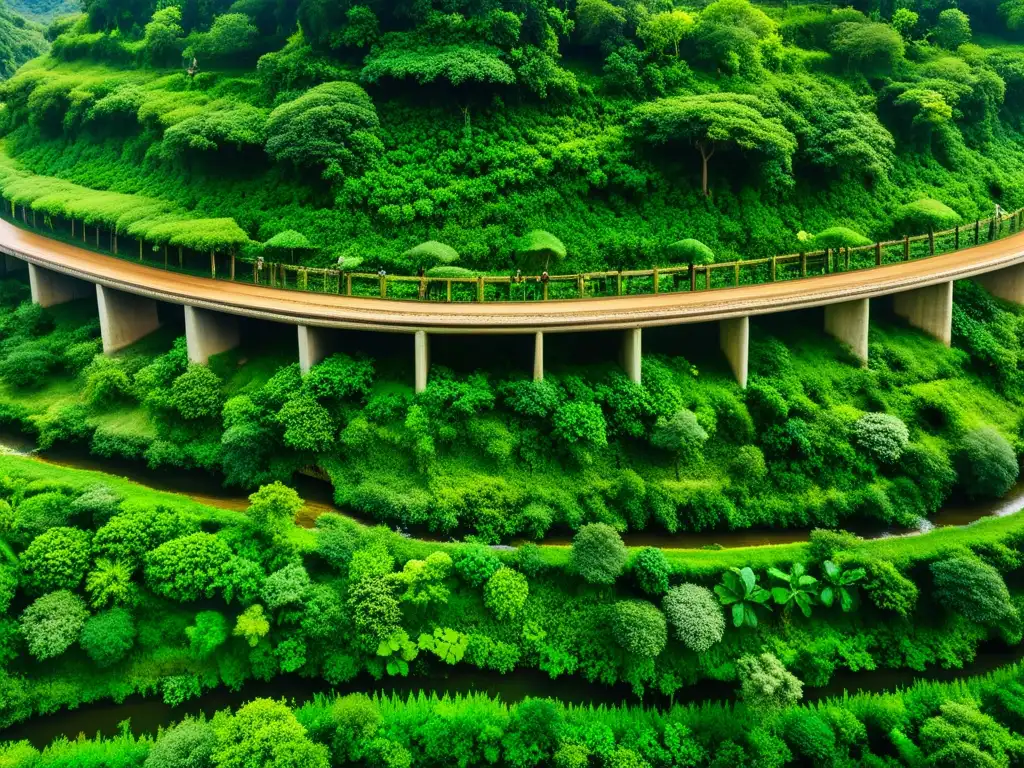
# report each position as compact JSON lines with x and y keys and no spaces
{"x":352,"y":127}
{"x":112,"y":589}
{"x":815,"y":439}
{"x":975,"y":722}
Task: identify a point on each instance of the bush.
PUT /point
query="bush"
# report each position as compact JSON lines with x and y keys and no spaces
{"x":986,"y":465}
{"x":108,"y":637}
{"x":475,"y":563}
{"x":650,"y":569}
{"x":506,"y":593}
{"x":696,"y":616}
{"x":882,"y":435}
{"x":766,"y":684}
{"x":639,"y":628}
{"x":189,"y":744}
{"x":188,"y":568}
{"x":28,"y":365}
{"x":889,"y":589}
{"x":973,"y":589}
{"x":196,"y":394}
{"x":39,"y":513}
{"x":56,"y":559}
{"x":53,"y":623}
{"x":598,"y":554}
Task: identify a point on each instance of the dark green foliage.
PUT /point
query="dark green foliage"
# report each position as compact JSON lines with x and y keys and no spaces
{"x":639,"y":628}
{"x":650,"y":569}
{"x":475,"y":564}
{"x":56,"y":559}
{"x":187,"y":568}
{"x":189,"y":744}
{"x":53,"y":623}
{"x":107,"y":637}
{"x":986,"y":464}
{"x":598,"y":554}
{"x":973,"y":589}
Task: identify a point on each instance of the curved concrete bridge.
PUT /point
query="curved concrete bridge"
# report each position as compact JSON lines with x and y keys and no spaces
{"x":127,"y":293}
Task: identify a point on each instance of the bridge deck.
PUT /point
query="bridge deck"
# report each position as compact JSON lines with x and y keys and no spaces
{"x":327,"y":310}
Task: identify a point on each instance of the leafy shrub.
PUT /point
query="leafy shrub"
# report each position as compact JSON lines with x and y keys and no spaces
{"x":56,"y":559}
{"x":882,"y":435}
{"x":475,"y":563}
{"x":639,"y":628}
{"x":53,"y":623}
{"x":506,"y":593}
{"x":973,"y":589}
{"x":650,"y":569}
{"x":598,"y":554}
{"x":695,"y":616}
{"x":189,"y":744}
{"x":766,"y":684}
{"x":889,"y":589}
{"x":27,"y":365}
{"x":986,"y":464}
{"x":187,"y":568}
{"x":108,"y":637}
{"x":196,"y":394}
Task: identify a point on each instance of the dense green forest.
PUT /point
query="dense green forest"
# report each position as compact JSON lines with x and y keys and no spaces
{"x":20,"y":40}
{"x":370,"y":128}
{"x":44,"y":11}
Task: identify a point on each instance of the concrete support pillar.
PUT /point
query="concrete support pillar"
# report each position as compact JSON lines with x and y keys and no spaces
{"x":848,"y":322}
{"x":538,"y":356}
{"x":1006,"y":284}
{"x":209,"y":333}
{"x":422,"y":346}
{"x":631,"y":353}
{"x":313,"y":346}
{"x":51,"y":288}
{"x":930,"y":309}
{"x":124,"y":318}
{"x":734,"y":338}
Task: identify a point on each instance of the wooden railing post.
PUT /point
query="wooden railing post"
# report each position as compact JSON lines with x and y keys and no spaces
{"x":384,"y":287}
{"x":977,"y":230}
{"x":348,"y":285}
{"x":140,"y":249}
{"x":693,"y":278}
{"x":545,"y":291}
{"x":931,"y":243}
{"x":581,"y":285}
{"x":448,"y":296}
{"x":878,"y":254}
{"x":906,"y":247}
{"x":656,"y":280}
{"x":232,"y":266}
{"x":213,"y":264}
{"x":774,"y":268}
{"x":480,"y":289}
{"x":618,"y":283}
{"x":803,"y":265}
{"x":736,"y":274}
{"x":956,"y":238}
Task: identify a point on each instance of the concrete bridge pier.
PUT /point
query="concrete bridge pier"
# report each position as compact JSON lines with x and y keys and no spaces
{"x":930,"y":309}
{"x":538,"y":356}
{"x":848,"y":322}
{"x":209,"y":333}
{"x":51,"y":288}
{"x":124,"y":318}
{"x":421,"y":343}
{"x":632,"y":358}
{"x":1006,"y":284}
{"x":314,"y":346}
{"x":734,"y":338}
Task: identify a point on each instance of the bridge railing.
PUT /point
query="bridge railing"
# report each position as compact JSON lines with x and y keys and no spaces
{"x":504,"y":288}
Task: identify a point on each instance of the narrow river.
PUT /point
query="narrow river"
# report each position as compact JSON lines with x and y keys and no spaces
{"x":318,"y":494}
{"x":149,"y":714}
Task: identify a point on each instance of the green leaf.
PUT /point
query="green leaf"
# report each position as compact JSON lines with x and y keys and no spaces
{"x":831,"y":570}
{"x":749,"y":580}
{"x":780,"y":575}
{"x":846,"y":600}
{"x":826,"y":596}
{"x":384,"y":649}
{"x":738,"y":614}
{"x":781,"y":595}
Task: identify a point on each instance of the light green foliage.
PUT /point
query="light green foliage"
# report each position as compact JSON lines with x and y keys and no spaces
{"x":690,"y":251}
{"x":695,"y":616}
{"x":163,"y":40}
{"x":665,"y":30}
{"x":904,"y":21}
{"x":287,"y":586}
{"x":273,"y":507}
{"x":196,"y":394}
{"x":598,"y":554}
{"x":838,"y":582}
{"x":961,"y":735}
{"x":681,"y":435}
{"x":265,"y":733}
{"x":56,"y":559}
{"x":425,"y":579}
{"x":925,"y":215}
{"x":431,"y":254}
{"x":52,"y":624}
{"x":252,"y":625}
{"x":189,"y":744}
{"x":766,"y":684}
{"x":873,"y":48}
{"x":986,"y":464}
{"x":651,"y":570}
{"x":539,"y":249}
{"x":289,"y":240}
{"x":882,"y":435}
{"x":399,"y":650}
{"x":187,"y":568}
{"x":210,"y":632}
{"x":801,"y":589}
{"x":838,"y":237}
{"x":745,"y":598}
{"x":110,"y":583}
{"x":506,"y":592}
{"x":447,"y":644}
{"x":952,"y":29}
{"x":638,"y":627}
{"x":108,"y":636}
{"x":889,"y":589}
{"x":308,"y":426}
{"x":973,"y":589}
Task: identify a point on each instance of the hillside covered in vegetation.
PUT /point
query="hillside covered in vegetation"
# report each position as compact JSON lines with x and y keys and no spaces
{"x":20,"y":40}
{"x":619,"y":126}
